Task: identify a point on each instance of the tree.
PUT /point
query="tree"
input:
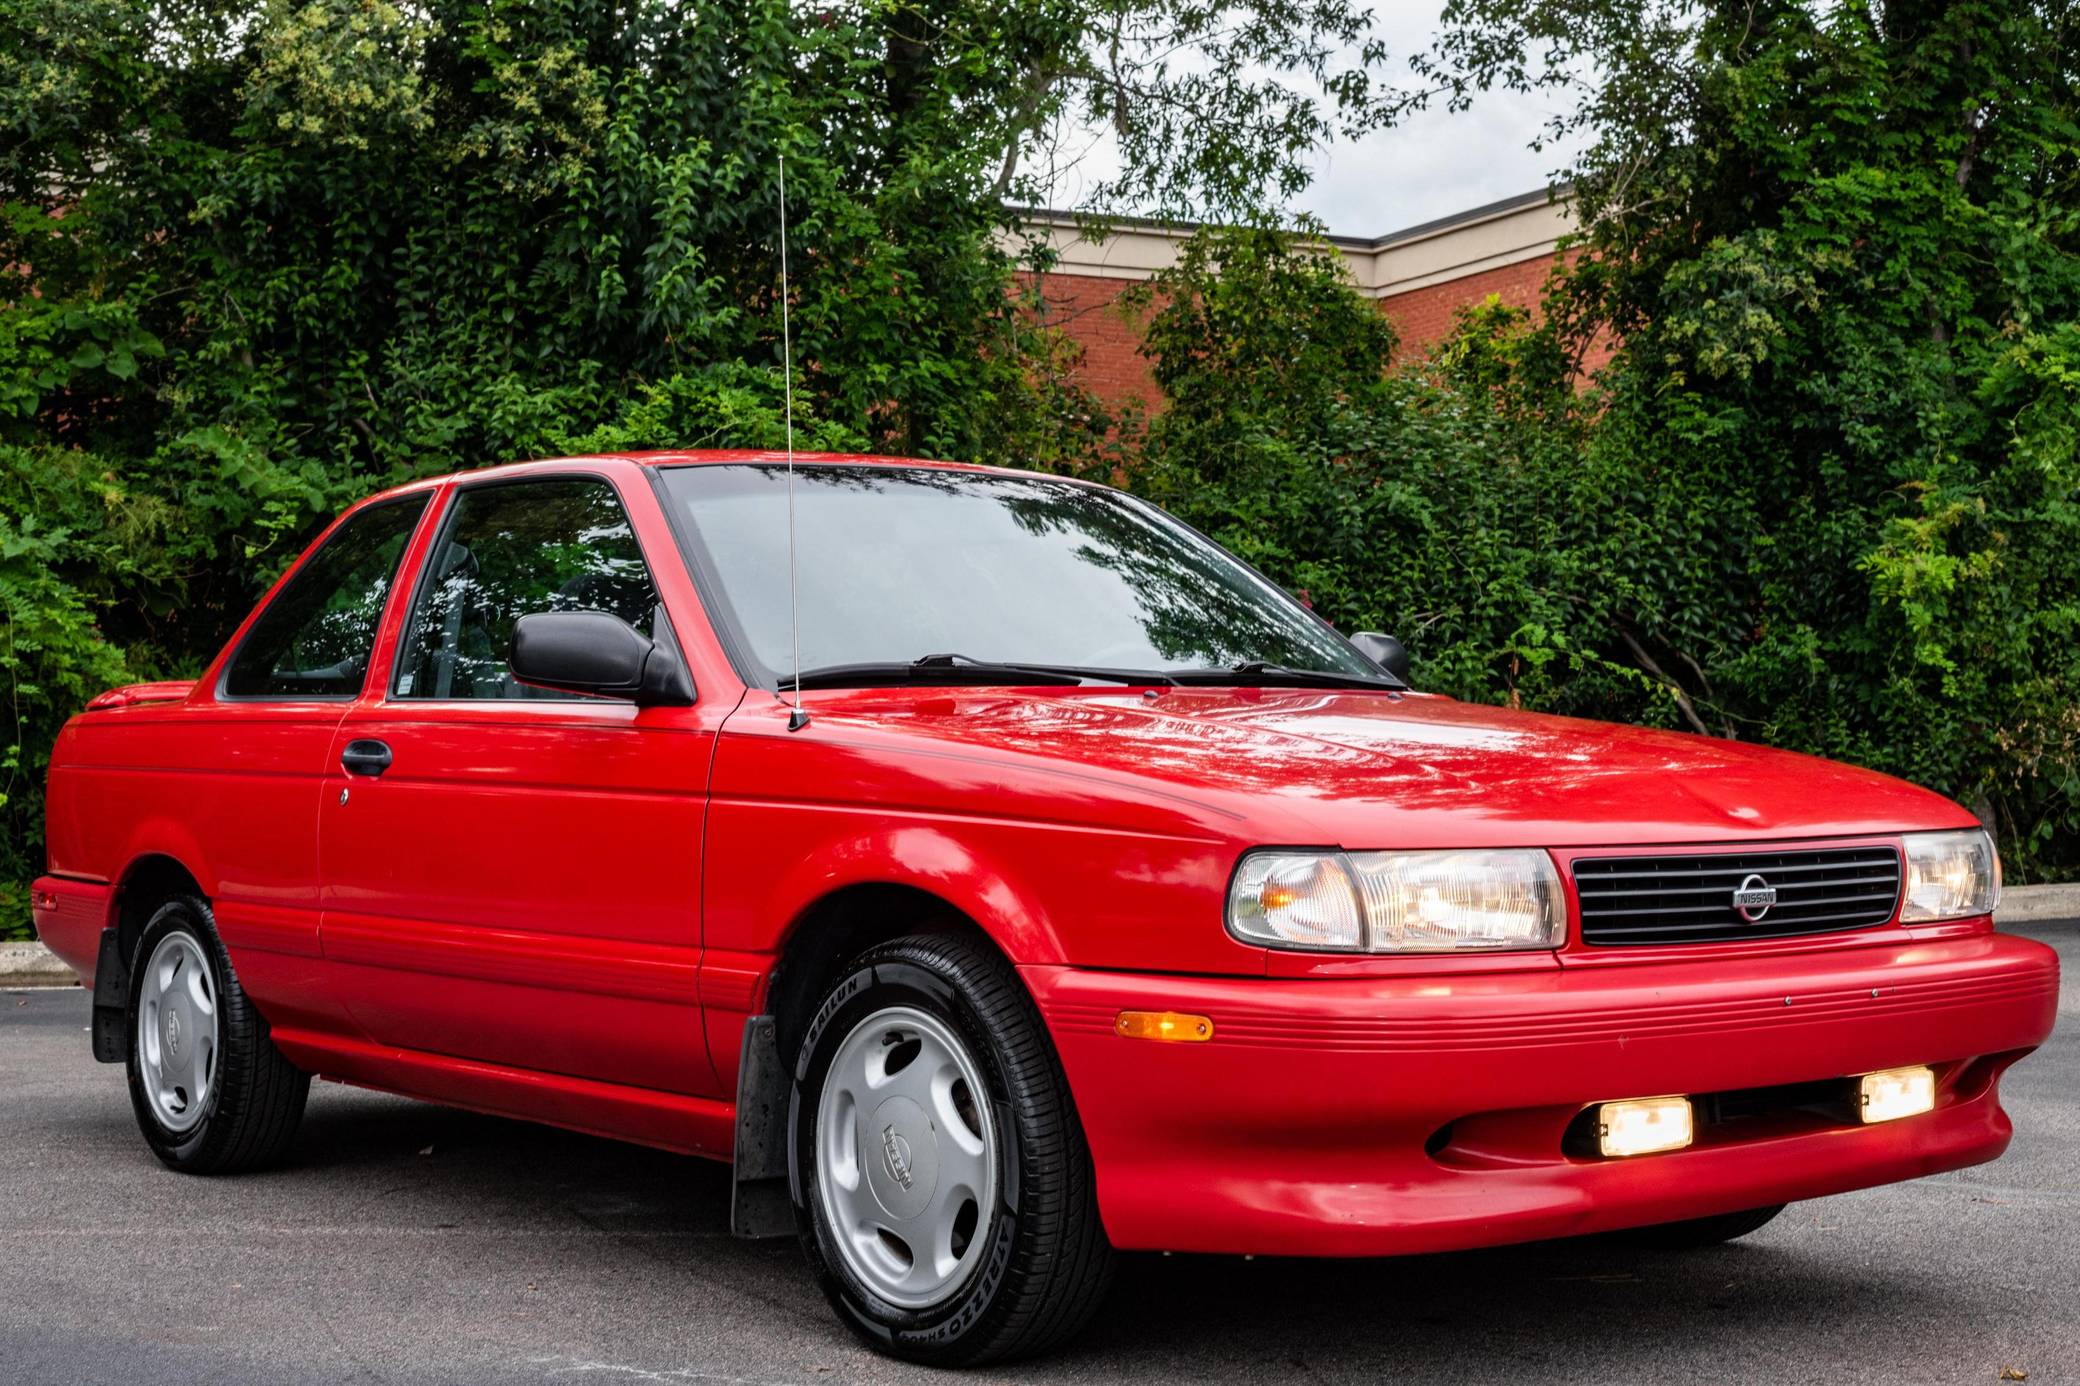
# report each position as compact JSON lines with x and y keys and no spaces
{"x":1447,"y":501}
{"x":1826,"y":493}
{"x":1839,"y":248}
{"x":263,"y":257}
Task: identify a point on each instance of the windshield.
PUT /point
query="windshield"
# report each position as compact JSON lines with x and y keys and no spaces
{"x":900,"y":563}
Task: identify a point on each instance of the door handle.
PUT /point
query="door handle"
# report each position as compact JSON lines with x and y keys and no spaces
{"x":365,"y":758}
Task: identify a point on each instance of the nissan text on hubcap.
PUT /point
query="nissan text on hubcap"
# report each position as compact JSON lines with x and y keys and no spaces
{"x":906,"y":1157}
{"x":177,"y":1032}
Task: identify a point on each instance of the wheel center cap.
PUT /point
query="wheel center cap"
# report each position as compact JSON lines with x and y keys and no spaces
{"x":173,"y":1033}
{"x":903,"y":1168}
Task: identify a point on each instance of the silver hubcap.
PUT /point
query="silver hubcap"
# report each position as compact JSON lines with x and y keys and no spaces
{"x":177,"y":1031}
{"x":906,"y":1157}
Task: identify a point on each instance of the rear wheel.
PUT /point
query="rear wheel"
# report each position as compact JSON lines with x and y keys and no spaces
{"x":212,"y":1094}
{"x":1700,"y":1232}
{"x":941,"y":1179}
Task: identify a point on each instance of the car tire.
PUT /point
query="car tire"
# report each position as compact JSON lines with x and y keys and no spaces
{"x":234,"y":1107}
{"x":1034,"y":1263}
{"x":1699,"y":1232}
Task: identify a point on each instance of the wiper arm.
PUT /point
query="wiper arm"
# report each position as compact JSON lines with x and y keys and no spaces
{"x":1258,"y":673}
{"x":955,"y":670}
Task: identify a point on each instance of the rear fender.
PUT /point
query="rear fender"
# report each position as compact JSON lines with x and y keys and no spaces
{"x":169,"y":838}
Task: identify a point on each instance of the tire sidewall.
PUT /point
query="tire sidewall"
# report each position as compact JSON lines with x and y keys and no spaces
{"x":192,"y":918}
{"x":940,"y":1330}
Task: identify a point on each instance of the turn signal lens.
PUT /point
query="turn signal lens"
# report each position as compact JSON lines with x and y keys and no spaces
{"x":1643,"y":1125}
{"x":1950,"y":876}
{"x":1896,"y":1093}
{"x":1296,"y":900}
{"x":1173,"y":1026}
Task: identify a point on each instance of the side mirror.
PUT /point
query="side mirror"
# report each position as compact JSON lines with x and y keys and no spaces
{"x":1385,"y":651}
{"x":594,"y":652}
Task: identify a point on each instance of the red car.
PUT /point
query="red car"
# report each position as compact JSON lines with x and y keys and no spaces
{"x":1001,"y":874}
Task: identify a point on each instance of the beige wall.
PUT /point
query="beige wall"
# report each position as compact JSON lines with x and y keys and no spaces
{"x":1487,"y":238}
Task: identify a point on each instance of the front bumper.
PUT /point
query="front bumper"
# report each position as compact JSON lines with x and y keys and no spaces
{"x":1377,"y":1116}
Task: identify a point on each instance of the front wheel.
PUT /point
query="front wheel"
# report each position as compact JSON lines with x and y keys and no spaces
{"x":940,"y":1175}
{"x":213,"y":1095}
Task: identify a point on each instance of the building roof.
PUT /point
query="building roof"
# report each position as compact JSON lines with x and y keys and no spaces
{"x":1506,"y":232}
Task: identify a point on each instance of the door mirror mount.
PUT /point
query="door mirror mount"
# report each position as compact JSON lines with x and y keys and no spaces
{"x":598,"y":653}
{"x":1385,"y":651}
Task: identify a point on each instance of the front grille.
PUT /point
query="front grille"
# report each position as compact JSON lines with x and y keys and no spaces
{"x":1689,"y":898}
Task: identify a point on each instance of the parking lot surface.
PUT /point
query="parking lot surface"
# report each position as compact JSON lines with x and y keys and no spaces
{"x":406,"y":1243}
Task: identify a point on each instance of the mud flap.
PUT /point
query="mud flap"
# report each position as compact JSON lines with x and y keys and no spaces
{"x":111,"y":1000}
{"x":761,"y":1204}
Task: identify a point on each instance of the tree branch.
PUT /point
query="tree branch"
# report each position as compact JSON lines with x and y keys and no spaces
{"x":1646,"y":662}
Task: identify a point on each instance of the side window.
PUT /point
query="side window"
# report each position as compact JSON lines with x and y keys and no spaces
{"x":314,"y":639}
{"x":507,"y":551}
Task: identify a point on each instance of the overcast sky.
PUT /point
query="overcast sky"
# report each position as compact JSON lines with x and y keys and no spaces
{"x":1432,"y":166}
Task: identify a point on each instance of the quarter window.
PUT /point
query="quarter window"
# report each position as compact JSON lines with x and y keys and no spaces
{"x":507,"y":551}
{"x":315,"y":638}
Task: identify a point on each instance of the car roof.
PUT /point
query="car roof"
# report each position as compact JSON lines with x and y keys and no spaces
{"x":689,"y":457}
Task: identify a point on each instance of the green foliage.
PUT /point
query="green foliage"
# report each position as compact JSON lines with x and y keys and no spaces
{"x":1846,"y":263}
{"x":1254,"y":325}
{"x":1444,"y":501}
{"x":261,"y":257}
{"x":52,"y":655}
{"x":1824,"y":494}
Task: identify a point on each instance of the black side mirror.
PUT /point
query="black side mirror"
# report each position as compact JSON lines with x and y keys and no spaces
{"x":594,"y":652}
{"x":1385,"y":651}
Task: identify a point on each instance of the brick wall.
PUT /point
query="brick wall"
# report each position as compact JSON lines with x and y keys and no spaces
{"x":1087,"y":308}
{"x":1423,"y":316}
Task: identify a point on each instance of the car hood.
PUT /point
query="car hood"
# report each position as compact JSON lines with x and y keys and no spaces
{"x":1364,"y":769}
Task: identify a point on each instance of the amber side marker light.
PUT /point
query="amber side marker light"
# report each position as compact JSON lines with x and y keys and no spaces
{"x":1643,"y":1125}
{"x":1164,"y":1025}
{"x":1896,"y":1092}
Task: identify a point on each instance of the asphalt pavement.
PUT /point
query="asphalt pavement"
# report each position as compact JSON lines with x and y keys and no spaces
{"x":406,"y":1243}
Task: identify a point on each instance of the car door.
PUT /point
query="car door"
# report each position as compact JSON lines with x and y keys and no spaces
{"x":511,"y":875}
{"x":243,"y":771}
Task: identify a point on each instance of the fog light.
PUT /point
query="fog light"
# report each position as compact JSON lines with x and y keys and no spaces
{"x":1643,"y":1125}
{"x":1164,"y":1025}
{"x":1897,"y":1092}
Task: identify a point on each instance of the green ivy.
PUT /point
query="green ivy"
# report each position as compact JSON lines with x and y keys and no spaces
{"x":1826,"y":492}
{"x":261,"y":257}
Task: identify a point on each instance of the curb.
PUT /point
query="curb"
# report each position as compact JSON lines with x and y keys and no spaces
{"x":33,"y":965}
{"x":2019,"y":903}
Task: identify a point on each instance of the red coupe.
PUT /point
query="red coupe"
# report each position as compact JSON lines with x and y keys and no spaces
{"x":1000,"y":874}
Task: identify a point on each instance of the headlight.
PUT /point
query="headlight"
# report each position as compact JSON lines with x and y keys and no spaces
{"x":1950,"y":876}
{"x":1397,"y":902}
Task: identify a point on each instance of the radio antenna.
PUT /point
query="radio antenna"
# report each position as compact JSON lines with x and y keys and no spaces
{"x":797,"y":717}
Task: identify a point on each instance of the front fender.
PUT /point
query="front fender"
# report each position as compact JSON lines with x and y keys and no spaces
{"x":932,"y":859}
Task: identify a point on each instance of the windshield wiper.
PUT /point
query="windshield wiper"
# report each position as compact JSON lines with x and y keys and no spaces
{"x":1257,"y":673}
{"x":955,"y":670}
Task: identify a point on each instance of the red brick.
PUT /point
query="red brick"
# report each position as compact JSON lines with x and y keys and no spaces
{"x":1088,"y":309}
